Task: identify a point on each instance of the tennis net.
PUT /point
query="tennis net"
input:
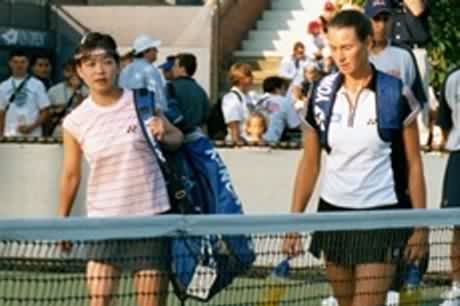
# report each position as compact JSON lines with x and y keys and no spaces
{"x":127,"y":261}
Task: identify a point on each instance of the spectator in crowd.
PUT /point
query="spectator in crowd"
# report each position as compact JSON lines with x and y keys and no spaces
{"x":235,"y":103}
{"x":410,"y":29}
{"x":392,"y":60}
{"x":64,"y":97}
{"x":301,"y":90}
{"x":449,"y":120}
{"x":41,"y":69}
{"x":105,"y":129}
{"x":315,"y":41}
{"x":370,"y":165}
{"x":328,"y":65}
{"x":71,"y":91}
{"x":255,"y":127}
{"x":292,"y":65}
{"x":167,"y":68}
{"x":23,"y":100}
{"x":278,"y":108}
{"x":192,"y":100}
{"x":141,"y":73}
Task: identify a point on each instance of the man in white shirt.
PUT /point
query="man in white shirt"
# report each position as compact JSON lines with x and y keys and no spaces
{"x":64,"y":97}
{"x":141,"y":73}
{"x":292,"y":65}
{"x":449,"y":120}
{"x":23,"y":100}
{"x":70,"y":87}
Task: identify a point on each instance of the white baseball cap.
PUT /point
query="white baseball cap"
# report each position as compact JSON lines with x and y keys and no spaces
{"x":144,"y":42}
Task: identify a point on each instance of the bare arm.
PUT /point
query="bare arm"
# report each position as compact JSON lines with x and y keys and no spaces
{"x":416,"y":7}
{"x":173,"y":137}
{"x":2,"y":122}
{"x":417,"y":188}
{"x":418,"y":242}
{"x":235,"y":132}
{"x":307,"y":171}
{"x":71,"y":173}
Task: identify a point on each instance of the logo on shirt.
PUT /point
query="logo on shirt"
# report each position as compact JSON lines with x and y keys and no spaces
{"x":131,"y":129}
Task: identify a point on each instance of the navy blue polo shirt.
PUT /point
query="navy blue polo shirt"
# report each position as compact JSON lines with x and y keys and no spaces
{"x":409,"y":30}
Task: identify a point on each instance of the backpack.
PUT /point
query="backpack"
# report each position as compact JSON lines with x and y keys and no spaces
{"x":217,"y":128}
{"x":201,"y":266}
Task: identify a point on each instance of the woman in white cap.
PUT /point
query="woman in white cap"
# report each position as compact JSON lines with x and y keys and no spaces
{"x":142,"y":73}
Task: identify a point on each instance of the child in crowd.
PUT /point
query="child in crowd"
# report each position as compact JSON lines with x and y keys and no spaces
{"x":256,"y":126}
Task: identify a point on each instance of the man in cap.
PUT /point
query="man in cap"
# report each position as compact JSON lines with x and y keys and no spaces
{"x":167,"y":68}
{"x":141,"y":73}
{"x":397,"y":61}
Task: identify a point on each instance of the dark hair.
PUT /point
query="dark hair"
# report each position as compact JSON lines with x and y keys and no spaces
{"x":271,"y":84}
{"x":353,"y":19}
{"x":188,"y":61}
{"x":36,"y":57}
{"x":298,"y":45}
{"x":18,"y":53}
{"x":95,"y":40}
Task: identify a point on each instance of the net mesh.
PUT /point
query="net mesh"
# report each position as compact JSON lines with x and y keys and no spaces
{"x":128,"y":262}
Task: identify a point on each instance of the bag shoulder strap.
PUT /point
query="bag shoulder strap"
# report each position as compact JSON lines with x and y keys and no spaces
{"x":238,"y":95}
{"x":19,"y":88}
{"x":388,"y":97}
{"x":144,"y":101}
{"x":323,"y":102}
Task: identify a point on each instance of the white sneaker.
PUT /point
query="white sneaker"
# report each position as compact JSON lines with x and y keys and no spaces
{"x":392,"y":298}
{"x":330,"y":301}
{"x":451,"y":297}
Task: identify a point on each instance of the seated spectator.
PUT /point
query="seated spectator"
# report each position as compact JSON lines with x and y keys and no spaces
{"x":278,"y":108}
{"x":192,"y":106}
{"x":23,"y":100}
{"x":64,"y":97}
{"x":235,"y":103}
{"x":301,"y":90}
{"x":256,"y":126}
{"x":292,"y":65}
{"x":42,"y":68}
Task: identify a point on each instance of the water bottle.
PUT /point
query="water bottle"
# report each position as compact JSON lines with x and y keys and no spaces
{"x":278,"y":286}
{"x":410,"y":294}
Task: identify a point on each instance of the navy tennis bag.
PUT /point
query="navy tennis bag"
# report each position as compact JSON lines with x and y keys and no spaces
{"x":202,"y":266}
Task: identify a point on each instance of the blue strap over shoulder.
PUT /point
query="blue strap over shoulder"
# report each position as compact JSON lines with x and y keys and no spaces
{"x":388,"y":99}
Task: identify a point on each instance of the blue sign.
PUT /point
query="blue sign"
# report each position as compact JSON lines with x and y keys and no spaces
{"x":13,"y":37}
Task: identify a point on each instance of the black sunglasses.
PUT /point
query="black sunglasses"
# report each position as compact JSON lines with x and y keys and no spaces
{"x":381,"y":17}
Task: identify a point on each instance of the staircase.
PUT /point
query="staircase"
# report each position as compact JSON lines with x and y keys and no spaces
{"x":275,"y":34}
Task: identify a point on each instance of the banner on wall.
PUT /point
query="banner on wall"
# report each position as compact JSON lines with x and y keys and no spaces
{"x":13,"y":37}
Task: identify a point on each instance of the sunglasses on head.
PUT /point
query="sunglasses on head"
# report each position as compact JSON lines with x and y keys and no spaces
{"x":381,"y":17}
